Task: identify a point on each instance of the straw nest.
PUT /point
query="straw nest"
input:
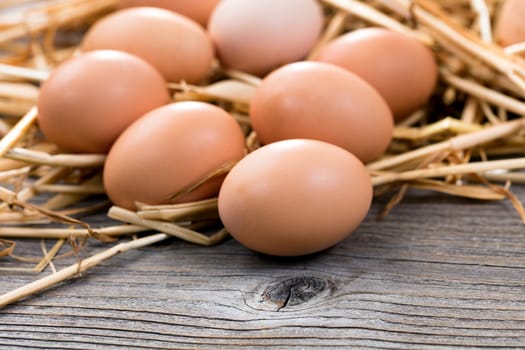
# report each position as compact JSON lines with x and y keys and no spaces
{"x":468,"y":141}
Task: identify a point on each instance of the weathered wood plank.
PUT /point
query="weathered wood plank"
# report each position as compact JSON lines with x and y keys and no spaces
{"x":438,"y":272}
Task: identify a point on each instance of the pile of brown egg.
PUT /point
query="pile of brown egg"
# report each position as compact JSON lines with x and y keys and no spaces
{"x":318,"y":120}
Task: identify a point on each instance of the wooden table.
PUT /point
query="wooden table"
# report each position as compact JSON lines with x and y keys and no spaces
{"x":437,"y":273}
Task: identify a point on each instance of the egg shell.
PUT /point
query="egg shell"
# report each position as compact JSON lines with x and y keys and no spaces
{"x":257,"y":36}
{"x":90,"y":99}
{"x":399,"y":67}
{"x":197,"y":10}
{"x":510,"y":27}
{"x":168,"y":149}
{"x":295,"y":197}
{"x":177,"y":46}
{"x":321,"y":101}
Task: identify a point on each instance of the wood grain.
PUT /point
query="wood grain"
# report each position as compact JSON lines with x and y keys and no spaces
{"x":437,"y":273}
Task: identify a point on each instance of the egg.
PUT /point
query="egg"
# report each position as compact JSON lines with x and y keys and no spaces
{"x":295,"y":197}
{"x":197,"y":10}
{"x":510,"y":28}
{"x":177,"y":46}
{"x":324,"y":102}
{"x":257,"y":36}
{"x":403,"y":70}
{"x":90,"y":99}
{"x":168,"y":150}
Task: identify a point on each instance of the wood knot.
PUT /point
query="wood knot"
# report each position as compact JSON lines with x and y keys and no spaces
{"x":290,"y":292}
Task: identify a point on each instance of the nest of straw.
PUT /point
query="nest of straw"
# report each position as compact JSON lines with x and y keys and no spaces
{"x":468,"y":141}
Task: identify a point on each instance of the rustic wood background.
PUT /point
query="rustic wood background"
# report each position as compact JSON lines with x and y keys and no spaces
{"x":439,"y":272}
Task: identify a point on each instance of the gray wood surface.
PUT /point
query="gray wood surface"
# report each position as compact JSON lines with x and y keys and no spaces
{"x":437,"y":273}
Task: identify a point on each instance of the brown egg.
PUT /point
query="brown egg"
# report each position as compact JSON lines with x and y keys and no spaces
{"x":257,"y":36}
{"x":402,"y":69}
{"x":177,"y":46}
{"x":510,"y":27}
{"x":295,"y":197}
{"x":169,"y":149}
{"x":197,"y":10}
{"x":321,"y":101}
{"x":89,"y":100}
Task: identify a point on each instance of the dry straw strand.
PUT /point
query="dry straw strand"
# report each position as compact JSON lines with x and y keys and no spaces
{"x":456,"y":143}
{"x":18,"y":131}
{"x":475,"y":167}
{"x":178,"y":211}
{"x":67,"y":160}
{"x":63,"y":233}
{"x":172,"y":229}
{"x":77,"y":268}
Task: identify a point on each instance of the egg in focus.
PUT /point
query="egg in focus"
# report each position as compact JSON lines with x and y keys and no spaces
{"x":295,"y":197}
{"x":169,"y":149}
{"x":257,"y":36}
{"x":400,"y":68}
{"x":197,"y":10}
{"x":90,"y":99}
{"x":175,"y":45}
{"x":321,"y":101}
